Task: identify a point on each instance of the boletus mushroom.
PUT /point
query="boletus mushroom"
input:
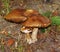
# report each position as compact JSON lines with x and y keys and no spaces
{"x":31,"y":20}
{"x":35,"y":22}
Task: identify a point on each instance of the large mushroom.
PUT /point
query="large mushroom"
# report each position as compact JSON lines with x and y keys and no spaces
{"x":35,"y":22}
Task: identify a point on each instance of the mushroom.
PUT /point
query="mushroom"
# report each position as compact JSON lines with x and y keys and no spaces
{"x":31,"y":20}
{"x":27,"y":31}
{"x":35,"y":22}
{"x":16,"y":15}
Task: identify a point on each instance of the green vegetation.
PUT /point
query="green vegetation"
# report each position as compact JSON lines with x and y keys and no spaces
{"x":55,"y":20}
{"x":6,"y":6}
{"x":42,"y":30}
{"x":2,"y":48}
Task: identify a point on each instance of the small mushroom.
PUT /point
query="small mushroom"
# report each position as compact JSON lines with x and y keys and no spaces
{"x":16,"y":15}
{"x":27,"y":31}
{"x":35,"y":22}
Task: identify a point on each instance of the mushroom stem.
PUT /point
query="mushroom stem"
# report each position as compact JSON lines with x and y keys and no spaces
{"x":28,"y":38}
{"x":34,"y":35}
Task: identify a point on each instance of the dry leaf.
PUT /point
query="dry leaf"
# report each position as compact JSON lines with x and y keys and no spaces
{"x":10,"y":42}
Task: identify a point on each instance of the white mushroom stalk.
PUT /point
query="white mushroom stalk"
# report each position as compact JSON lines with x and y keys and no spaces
{"x":28,"y":38}
{"x":34,"y":35}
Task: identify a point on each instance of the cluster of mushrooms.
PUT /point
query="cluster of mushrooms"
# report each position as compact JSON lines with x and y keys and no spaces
{"x":30,"y":20}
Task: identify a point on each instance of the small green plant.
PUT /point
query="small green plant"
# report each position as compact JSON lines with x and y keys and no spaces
{"x":42,"y":30}
{"x":2,"y":48}
{"x":6,"y":5}
{"x":20,"y":48}
{"x":55,"y":20}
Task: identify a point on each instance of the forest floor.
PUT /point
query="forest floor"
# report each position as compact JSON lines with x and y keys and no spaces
{"x":12,"y":40}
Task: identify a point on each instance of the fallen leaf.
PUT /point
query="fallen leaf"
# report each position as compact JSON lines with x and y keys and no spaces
{"x":10,"y":42}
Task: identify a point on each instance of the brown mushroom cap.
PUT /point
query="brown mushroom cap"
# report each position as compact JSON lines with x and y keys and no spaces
{"x":37,"y":21}
{"x":16,"y":15}
{"x":30,"y":12}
